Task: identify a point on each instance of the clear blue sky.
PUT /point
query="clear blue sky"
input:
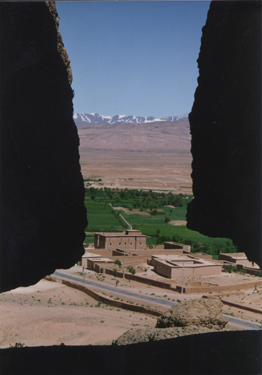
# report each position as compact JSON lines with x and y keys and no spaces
{"x":133,"y":57}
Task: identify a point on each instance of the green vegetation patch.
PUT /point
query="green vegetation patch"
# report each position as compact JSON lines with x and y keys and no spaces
{"x":101,"y":219}
{"x":198,"y":242}
{"x":138,"y":219}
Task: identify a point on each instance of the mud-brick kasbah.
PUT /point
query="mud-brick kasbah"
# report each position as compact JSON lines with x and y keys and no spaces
{"x":171,"y":263}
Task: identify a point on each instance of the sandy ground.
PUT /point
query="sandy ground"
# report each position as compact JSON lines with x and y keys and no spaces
{"x":50,"y":313}
{"x":150,"y":156}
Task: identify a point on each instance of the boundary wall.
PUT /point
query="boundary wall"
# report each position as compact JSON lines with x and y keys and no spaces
{"x":237,"y":305}
{"x":221,"y":288}
{"x":141,"y":279}
{"x":109,"y":301}
{"x":242,"y":307}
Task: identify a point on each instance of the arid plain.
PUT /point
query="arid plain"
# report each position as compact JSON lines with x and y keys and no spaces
{"x":140,"y":156}
{"x":154,"y":156}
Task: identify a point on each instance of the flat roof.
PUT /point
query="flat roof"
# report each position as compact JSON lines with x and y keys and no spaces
{"x":235,"y":255}
{"x":90,"y":255}
{"x":121,"y":235}
{"x":177,"y":260}
{"x":101,"y":260}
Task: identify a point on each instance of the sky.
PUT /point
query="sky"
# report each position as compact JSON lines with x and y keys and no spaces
{"x":133,"y":57}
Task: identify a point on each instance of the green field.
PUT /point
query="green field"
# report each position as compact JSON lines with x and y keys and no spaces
{"x":102,"y":218}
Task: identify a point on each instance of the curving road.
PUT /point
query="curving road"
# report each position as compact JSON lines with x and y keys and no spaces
{"x":241,"y":323}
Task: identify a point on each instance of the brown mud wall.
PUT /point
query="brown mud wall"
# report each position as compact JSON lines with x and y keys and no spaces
{"x":109,"y":301}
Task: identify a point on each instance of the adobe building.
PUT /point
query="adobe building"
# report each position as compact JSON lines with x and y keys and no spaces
{"x":173,"y":266}
{"x":131,"y":239}
{"x":87,"y":257}
{"x":237,"y":258}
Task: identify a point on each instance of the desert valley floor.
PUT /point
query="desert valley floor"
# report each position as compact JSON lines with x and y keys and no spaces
{"x":147,"y":156}
{"x":50,"y":313}
{"x":140,"y":156}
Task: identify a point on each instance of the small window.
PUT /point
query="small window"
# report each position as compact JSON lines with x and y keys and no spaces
{"x":131,"y":243}
{"x":140,"y":243}
{"x":119,"y":243}
{"x":125,"y":243}
{"x":110,"y":244}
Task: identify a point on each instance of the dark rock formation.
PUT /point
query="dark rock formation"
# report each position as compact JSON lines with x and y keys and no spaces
{"x":135,"y":336}
{"x":211,"y":353}
{"x":203,"y":312}
{"x":42,"y":212}
{"x":226,"y":128}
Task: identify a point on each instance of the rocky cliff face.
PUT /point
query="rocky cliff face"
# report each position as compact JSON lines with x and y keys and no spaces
{"x":226,"y":128}
{"x":42,"y":212}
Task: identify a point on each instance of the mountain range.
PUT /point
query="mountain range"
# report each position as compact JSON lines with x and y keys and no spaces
{"x":94,"y":118}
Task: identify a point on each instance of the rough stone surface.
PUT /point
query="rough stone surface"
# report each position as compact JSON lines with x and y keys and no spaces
{"x":185,"y":318}
{"x":204,"y":312}
{"x":43,"y":216}
{"x":225,"y":124}
{"x":135,"y":336}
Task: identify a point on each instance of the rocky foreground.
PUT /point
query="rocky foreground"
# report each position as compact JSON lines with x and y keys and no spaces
{"x":186,"y":318}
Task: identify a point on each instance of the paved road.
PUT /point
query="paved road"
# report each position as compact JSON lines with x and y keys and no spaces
{"x":116,"y":290}
{"x":241,"y":323}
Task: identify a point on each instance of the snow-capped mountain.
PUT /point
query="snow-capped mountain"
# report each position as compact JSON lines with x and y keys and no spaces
{"x":94,"y":118}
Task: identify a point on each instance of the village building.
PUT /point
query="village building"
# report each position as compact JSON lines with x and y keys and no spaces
{"x":237,"y":259}
{"x":175,"y":266}
{"x":130,"y":239}
{"x":87,"y":257}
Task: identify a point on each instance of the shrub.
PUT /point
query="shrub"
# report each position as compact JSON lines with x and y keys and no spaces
{"x":167,"y":219}
{"x":153,"y":212}
{"x":243,"y":270}
{"x":229,"y":268}
{"x":258,"y":273}
{"x":131,"y":270}
{"x":118,"y":263}
{"x":115,"y":272}
{"x":101,"y":270}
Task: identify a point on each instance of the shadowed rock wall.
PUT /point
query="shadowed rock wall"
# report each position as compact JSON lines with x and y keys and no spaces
{"x":209,"y":353}
{"x":226,"y":128}
{"x":42,"y":211}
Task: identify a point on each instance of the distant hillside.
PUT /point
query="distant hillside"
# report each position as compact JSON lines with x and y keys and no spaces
{"x":159,"y":135}
{"x":94,"y":118}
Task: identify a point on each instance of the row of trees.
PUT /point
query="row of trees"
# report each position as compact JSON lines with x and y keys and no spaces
{"x":137,"y":198}
{"x":197,"y":247}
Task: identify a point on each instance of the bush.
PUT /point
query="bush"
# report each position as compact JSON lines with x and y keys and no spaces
{"x":118,"y":263}
{"x":131,"y":270}
{"x":243,"y":270}
{"x":153,"y":212}
{"x":258,"y":273}
{"x":229,"y":268}
{"x":115,"y":272}
{"x":167,"y":219}
{"x":101,"y":270}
